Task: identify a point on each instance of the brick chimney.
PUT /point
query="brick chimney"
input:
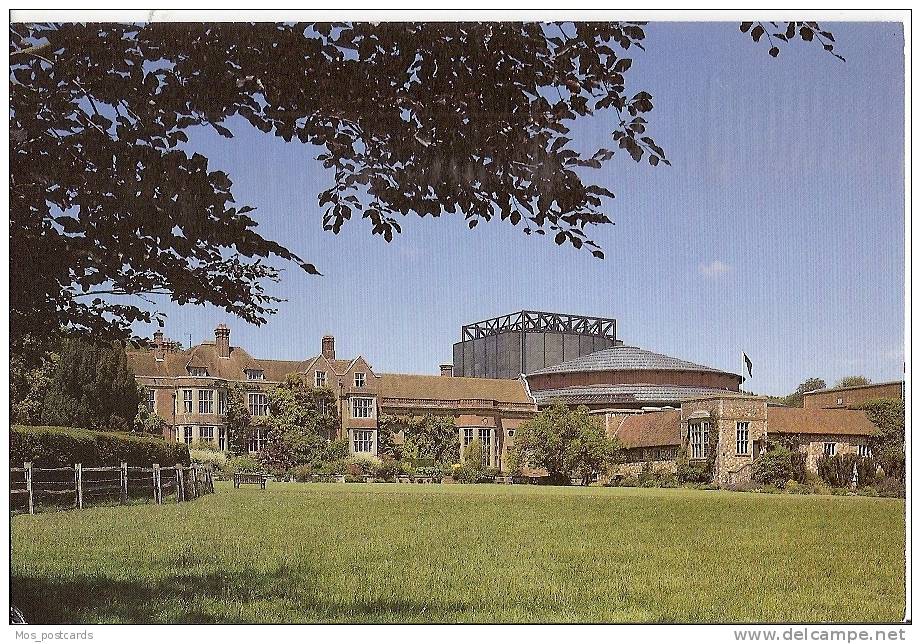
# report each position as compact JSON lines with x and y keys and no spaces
{"x":329,"y":347}
{"x":447,"y":369}
{"x":159,"y":348}
{"x":222,"y":340}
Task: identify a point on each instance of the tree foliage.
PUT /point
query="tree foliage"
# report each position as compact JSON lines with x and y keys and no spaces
{"x":107,"y":198}
{"x":795,"y":399}
{"x":89,"y":386}
{"x":302,"y":421}
{"x":853,"y":381}
{"x":147,"y":421}
{"x":237,"y":420}
{"x":429,"y":437}
{"x":564,"y":442}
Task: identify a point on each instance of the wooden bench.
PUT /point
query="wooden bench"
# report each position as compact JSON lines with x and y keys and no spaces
{"x":254,"y":478}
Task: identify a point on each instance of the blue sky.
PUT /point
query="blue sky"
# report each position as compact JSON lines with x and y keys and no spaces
{"x":778,"y":229}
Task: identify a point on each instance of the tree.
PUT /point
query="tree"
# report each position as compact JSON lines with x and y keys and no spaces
{"x":431,"y":437}
{"x":796,"y":398}
{"x":853,"y":381}
{"x":147,"y":421}
{"x":237,"y":420}
{"x":565,"y":443}
{"x":302,"y":420}
{"x":108,"y":200}
{"x":29,"y":386}
{"x":91,"y":387}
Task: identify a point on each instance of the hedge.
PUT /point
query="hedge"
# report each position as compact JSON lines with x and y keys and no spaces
{"x":64,"y":446}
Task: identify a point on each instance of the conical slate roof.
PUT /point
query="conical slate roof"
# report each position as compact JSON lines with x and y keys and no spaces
{"x":624,"y":358}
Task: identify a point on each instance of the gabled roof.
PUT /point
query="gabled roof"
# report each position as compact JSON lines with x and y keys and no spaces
{"x":624,"y":358}
{"x":653,"y":429}
{"x":401,"y":385}
{"x":796,"y":420}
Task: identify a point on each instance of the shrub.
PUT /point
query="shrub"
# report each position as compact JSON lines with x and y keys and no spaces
{"x":302,"y":473}
{"x":466,"y":474}
{"x":793,"y":487}
{"x":336,"y":450}
{"x":867,"y":490}
{"x":866,"y":470}
{"x":64,"y":446}
{"x":893,"y":463}
{"x":363,"y":465}
{"x":332,"y":468}
{"x":774,"y":467}
{"x":697,"y":472}
{"x":387,"y":469}
{"x":891,"y":487}
{"x":837,"y":470}
{"x":212,"y":457}
{"x":235,"y":464}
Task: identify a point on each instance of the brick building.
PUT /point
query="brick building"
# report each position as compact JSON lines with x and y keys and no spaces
{"x":188,"y":389}
{"x":743,"y":426}
{"x":844,"y":397}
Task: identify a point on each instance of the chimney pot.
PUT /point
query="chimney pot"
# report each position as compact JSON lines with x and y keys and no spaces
{"x":447,"y":369}
{"x":222,"y":340}
{"x":329,"y":347}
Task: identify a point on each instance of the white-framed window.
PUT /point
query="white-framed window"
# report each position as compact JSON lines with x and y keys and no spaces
{"x":699,"y":437}
{"x":828,"y":449}
{"x":206,"y":434}
{"x":222,"y":438}
{"x":258,"y":404}
{"x":362,"y":440}
{"x":256,"y":439}
{"x":359,"y":379}
{"x":319,"y":378}
{"x":205,"y":401}
{"x":323,"y":407}
{"x":187,"y":401}
{"x":254,"y":374}
{"x":187,"y":434}
{"x":742,"y":438}
{"x":864,"y":451}
{"x":468,"y":436}
{"x":222,"y":402}
{"x":362,"y":407}
{"x":486,"y":441}
{"x":198,"y":371}
{"x":151,"y":400}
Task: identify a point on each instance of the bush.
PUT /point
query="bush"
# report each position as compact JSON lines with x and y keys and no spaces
{"x":891,"y":487}
{"x":774,"y":467}
{"x":867,"y":490}
{"x":302,"y":473}
{"x":236,"y":464}
{"x":837,"y":470}
{"x":334,"y":468}
{"x":697,"y":472}
{"x":212,"y":457}
{"x":336,"y":450}
{"x":64,"y":446}
{"x":792,"y":487}
{"x":387,"y":469}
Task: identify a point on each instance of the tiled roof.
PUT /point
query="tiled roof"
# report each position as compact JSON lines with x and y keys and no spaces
{"x":796,"y":420}
{"x":872,"y":385}
{"x":175,"y":363}
{"x":400,"y":385}
{"x":653,"y":429}
{"x":625,"y":394}
{"x":624,"y":358}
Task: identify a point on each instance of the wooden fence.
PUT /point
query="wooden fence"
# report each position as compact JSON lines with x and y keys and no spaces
{"x":57,"y":488}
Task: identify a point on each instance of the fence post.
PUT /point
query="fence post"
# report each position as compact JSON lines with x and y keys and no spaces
{"x":194,"y":469}
{"x":123,"y":476}
{"x":78,"y":482}
{"x":180,"y":491}
{"x":28,"y":474}
{"x":158,"y":492}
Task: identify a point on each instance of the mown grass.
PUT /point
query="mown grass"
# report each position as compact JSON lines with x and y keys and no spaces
{"x":300,"y":553}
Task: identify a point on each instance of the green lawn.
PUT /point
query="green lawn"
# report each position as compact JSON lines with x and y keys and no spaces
{"x":452,"y":553}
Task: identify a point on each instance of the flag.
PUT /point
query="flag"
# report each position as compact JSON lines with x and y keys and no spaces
{"x":748,"y":363}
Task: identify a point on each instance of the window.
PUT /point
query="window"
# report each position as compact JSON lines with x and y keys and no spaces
{"x":222,"y":439}
{"x":359,"y":379}
{"x":205,"y":401}
{"x":829,"y":449}
{"x":363,"y":440}
{"x":840,"y":400}
{"x":206,"y":434}
{"x":255,"y":374}
{"x":699,"y":437}
{"x":258,"y":404}
{"x":256,"y":439}
{"x":362,"y":407}
{"x":198,"y":371}
{"x":742,"y":438}
{"x":864,"y":451}
{"x":486,"y":441}
{"x":222,"y":402}
{"x":151,"y":400}
{"x":187,"y":401}
{"x":187,"y":435}
{"x":319,"y":379}
{"x":468,"y":435}
{"x":323,"y":407}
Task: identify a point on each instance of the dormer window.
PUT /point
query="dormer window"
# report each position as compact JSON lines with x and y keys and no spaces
{"x":319,"y":379}
{"x":198,"y":371}
{"x":254,"y":374}
{"x":359,"y":379}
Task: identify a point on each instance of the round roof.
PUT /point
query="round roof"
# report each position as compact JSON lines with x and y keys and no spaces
{"x":624,"y":358}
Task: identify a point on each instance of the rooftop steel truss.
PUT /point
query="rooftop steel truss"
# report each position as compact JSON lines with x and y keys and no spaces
{"x":536,"y":321}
